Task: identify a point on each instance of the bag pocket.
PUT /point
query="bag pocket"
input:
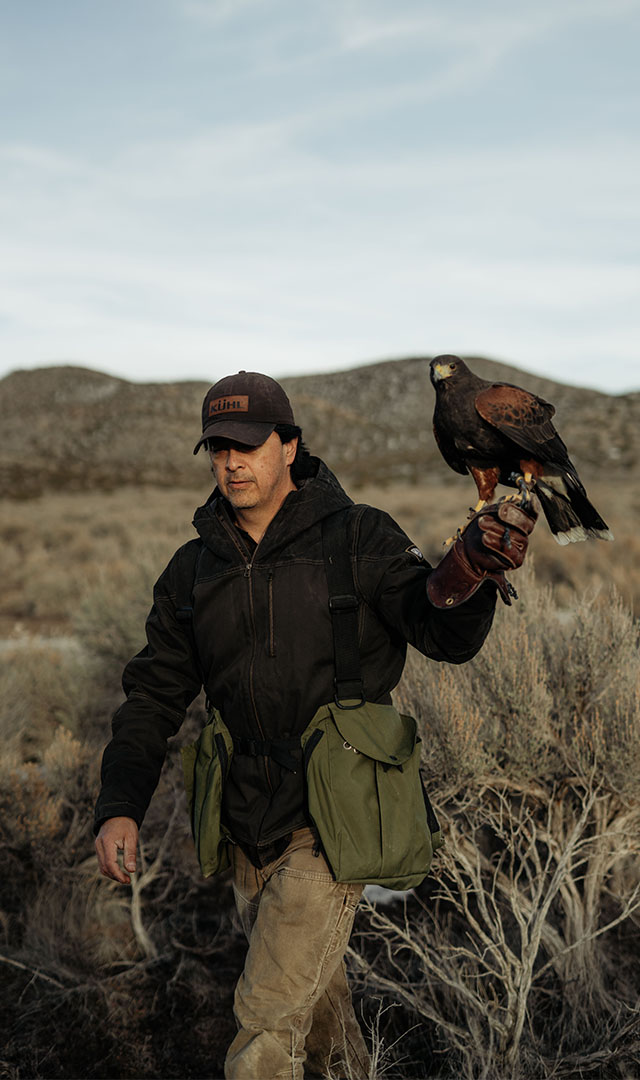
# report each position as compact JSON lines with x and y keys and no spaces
{"x":366,"y":796}
{"x":205,"y":765}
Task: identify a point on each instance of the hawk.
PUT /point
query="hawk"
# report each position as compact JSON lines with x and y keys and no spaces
{"x":502,"y":434}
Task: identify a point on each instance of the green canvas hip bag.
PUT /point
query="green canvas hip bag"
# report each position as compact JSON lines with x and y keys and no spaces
{"x":365,"y":795}
{"x":205,"y":764}
{"x":364,"y":792}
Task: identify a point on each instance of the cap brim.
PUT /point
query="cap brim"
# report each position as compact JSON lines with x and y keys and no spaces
{"x":242,"y":431}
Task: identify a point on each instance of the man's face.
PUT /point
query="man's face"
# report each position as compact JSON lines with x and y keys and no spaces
{"x":253,"y":477}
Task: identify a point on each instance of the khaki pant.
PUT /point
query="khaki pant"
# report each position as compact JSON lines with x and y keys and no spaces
{"x":292,"y":1003}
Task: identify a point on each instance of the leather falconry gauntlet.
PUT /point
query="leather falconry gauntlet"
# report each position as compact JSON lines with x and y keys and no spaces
{"x":495,"y":539}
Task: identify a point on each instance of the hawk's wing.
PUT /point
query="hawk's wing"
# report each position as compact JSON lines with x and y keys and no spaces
{"x":447,"y":450}
{"x":521,"y":416}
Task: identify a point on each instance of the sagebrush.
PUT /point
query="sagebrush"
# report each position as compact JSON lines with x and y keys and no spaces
{"x":517,"y":958}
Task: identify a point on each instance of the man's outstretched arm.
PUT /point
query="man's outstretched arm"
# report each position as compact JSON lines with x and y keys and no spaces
{"x":445,"y":612}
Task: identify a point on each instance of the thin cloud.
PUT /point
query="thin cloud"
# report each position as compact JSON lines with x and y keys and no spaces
{"x":215,"y":13}
{"x":296,"y":219}
{"x":361,"y":27}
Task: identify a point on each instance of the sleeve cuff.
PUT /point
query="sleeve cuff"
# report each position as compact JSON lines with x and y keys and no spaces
{"x":454,"y":580}
{"x":110,"y":810}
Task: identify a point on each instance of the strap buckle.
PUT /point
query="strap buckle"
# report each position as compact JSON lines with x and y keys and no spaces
{"x":347,"y":708}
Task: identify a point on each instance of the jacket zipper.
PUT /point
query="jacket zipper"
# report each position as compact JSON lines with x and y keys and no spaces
{"x":247,"y":573}
{"x":248,"y":567}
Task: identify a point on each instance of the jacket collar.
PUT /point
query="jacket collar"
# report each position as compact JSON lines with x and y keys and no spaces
{"x":317,"y":496}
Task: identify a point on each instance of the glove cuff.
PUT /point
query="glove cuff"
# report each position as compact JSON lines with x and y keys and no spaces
{"x":454,"y":580}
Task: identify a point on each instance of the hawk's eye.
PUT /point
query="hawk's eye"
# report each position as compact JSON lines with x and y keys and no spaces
{"x":452,"y":367}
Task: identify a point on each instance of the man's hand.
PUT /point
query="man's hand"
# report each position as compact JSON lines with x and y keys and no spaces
{"x":496,"y":538}
{"x":117,"y":834}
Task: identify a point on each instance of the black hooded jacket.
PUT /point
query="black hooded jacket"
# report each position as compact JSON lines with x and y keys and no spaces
{"x":263,"y":632}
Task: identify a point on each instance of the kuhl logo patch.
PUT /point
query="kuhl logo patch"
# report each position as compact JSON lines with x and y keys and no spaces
{"x":230,"y":403}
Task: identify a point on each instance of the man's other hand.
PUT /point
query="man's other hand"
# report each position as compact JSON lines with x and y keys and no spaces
{"x":117,"y":834}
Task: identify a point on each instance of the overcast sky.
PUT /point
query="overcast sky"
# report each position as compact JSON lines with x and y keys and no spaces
{"x":189,"y":187}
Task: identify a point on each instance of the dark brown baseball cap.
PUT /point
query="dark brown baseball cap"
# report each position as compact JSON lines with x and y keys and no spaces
{"x":245,"y":407}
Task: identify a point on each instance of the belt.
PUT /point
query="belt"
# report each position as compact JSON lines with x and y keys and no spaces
{"x":278,"y":749}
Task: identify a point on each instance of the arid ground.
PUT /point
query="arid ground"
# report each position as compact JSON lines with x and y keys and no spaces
{"x":519,"y":956}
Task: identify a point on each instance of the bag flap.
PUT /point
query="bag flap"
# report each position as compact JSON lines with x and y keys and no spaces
{"x":379,"y":731}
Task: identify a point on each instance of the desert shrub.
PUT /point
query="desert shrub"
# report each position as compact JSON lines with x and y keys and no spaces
{"x":552,"y":690}
{"x":45,"y":813}
{"x":88,"y":538}
{"x":99,"y":979}
{"x":598,"y":691}
{"x":516,"y":955}
{"x":41,"y":687}
{"x":504,"y":961}
{"x":495,"y":711}
{"x":111,"y":615}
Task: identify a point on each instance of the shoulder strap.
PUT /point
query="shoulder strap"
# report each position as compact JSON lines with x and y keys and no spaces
{"x":343,"y":606}
{"x":187,"y":565}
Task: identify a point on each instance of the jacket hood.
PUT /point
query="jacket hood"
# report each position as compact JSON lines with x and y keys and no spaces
{"x":316,"y":497}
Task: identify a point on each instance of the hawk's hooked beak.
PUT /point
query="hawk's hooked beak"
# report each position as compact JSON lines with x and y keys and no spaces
{"x":440,"y":371}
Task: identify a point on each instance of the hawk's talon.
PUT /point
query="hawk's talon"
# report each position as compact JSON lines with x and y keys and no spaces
{"x":452,"y":539}
{"x":525,"y":490}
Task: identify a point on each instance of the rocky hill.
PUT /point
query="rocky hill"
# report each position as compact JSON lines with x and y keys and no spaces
{"x":69,"y":428}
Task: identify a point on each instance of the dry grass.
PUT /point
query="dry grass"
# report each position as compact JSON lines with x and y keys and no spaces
{"x":58,"y":546}
{"x":518,"y":959}
{"x":97,"y":980}
{"x":513,"y":963}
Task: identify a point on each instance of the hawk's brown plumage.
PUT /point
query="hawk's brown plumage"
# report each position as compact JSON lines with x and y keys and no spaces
{"x":501,"y":433}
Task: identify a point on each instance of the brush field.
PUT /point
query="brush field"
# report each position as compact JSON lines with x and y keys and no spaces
{"x":519,"y":956}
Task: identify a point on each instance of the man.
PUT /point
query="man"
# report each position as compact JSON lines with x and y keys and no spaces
{"x":261,"y":640}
